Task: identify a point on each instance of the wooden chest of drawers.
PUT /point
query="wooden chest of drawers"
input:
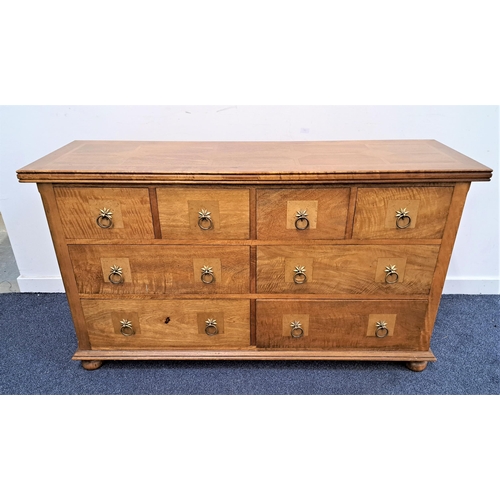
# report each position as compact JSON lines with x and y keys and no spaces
{"x":292,"y":250}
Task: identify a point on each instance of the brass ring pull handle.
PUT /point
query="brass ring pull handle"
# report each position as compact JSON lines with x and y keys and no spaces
{"x":105,"y":218}
{"x":207,"y":275}
{"x":116,"y":275}
{"x":211,"y":328}
{"x":301,"y":221}
{"x":391,"y":275}
{"x":126,"y":328}
{"x":296,"y":330}
{"x":403,"y":219}
{"x":381,"y":330}
{"x":299,"y":278}
{"x":205,"y":221}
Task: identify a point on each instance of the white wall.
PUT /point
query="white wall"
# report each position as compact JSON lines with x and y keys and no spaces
{"x":30,"y":132}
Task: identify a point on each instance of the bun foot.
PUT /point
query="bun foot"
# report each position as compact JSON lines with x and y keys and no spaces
{"x":416,"y":366}
{"x":92,"y":364}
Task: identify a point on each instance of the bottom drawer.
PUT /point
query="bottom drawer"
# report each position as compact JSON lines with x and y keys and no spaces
{"x":161,"y":324}
{"x":318,"y":324}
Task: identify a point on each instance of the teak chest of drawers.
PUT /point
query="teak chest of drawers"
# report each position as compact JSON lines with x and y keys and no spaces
{"x":247,"y":250}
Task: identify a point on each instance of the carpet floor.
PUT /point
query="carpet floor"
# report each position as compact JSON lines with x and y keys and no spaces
{"x":37,"y":341}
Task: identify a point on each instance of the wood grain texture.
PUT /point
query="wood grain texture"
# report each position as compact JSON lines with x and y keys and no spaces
{"x":182,"y":329}
{"x":353,"y":195}
{"x":193,"y":243}
{"x":341,"y":324}
{"x":253,"y":212}
{"x":160,"y":269}
{"x":154,"y":212}
{"x":257,"y":354}
{"x":80,"y":207}
{"x":254,"y":296}
{"x":170,"y":162}
{"x":64,"y":261}
{"x":276,"y":180}
{"x":342,"y":269}
{"x":455,"y":213}
{"x":252,"y":323}
{"x":375,"y":206}
{"x":351,"y":191}
{"x":327,"y":211}
{"x":179,"y":207}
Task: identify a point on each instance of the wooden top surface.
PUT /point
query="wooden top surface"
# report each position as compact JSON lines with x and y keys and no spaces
{"x":259,"y":162}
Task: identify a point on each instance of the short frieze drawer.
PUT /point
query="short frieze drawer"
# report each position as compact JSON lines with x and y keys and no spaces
{"x":401,"y":212}
{"x":105,"y":213}
{"x":203,"y":214}
{"x":302,"y":214}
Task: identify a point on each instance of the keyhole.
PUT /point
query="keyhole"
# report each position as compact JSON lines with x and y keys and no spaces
{"x":167,"y":321}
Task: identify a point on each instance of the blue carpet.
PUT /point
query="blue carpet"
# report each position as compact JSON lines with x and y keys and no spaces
{"x":37,"y":341}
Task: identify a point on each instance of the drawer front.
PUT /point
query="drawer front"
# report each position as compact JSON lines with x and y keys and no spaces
{"x":346,"y":269}
{"x":160,"y":269}
{"x":105,"y":213}
{"x":341,"y":324}
{"x":204,"y":214}
{"x":403,"y":212}
{"x":302,"y":214}
{"x":163,"y":324}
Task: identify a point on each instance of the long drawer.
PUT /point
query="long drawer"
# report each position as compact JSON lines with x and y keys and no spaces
{"x":329,"y":324}
{"x":346,"y":269}
{"x":157,"y":324}
{"x":160,"y":269}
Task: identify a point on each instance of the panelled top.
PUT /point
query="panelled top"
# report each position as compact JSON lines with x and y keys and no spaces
{"x":402,"y":161}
